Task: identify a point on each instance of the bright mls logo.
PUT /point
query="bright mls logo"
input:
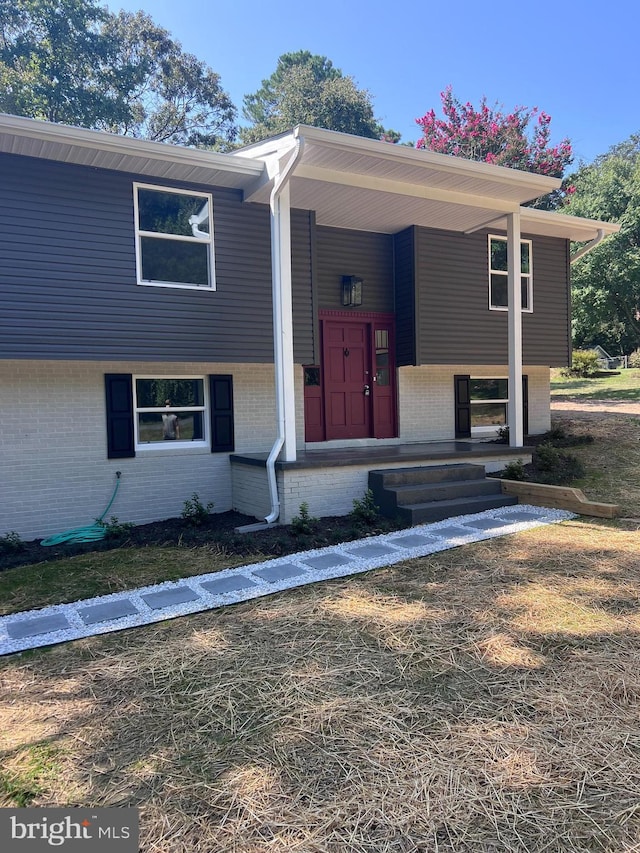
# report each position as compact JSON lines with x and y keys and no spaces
{"x":69,"y":829}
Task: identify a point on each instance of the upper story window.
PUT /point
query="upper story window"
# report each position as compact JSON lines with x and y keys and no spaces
{"x":498,"y":273}
{"x":174,"y":237}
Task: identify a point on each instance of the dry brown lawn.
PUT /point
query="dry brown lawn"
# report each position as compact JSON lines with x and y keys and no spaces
{"x":485,"y":699}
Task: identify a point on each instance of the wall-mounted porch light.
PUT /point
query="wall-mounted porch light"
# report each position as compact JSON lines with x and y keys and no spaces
{"x":351,"y":290}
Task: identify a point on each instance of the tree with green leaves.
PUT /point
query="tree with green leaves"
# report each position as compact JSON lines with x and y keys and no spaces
{"x":606,"y":281}
{"x":74,"y":62}
{"x":55,"y":60}
{"x":308,"y":89}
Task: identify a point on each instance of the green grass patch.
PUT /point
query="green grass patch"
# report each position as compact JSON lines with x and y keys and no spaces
{"x":615,"y":386}
{"x":24,"y":777}
{"x":104,"y":572}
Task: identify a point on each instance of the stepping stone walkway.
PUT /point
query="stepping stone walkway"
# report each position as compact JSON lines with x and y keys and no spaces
{"x":115,"y":612}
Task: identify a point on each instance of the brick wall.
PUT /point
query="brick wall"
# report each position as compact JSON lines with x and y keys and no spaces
{"x":53,"y":452}
{"x":426,"y":399}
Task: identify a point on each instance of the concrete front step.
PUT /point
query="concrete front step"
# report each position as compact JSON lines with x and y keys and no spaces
{"x":414,"y":494}
{"x":433,"y":493}
{"x":389,"y":477}
{"x":439,"y":510}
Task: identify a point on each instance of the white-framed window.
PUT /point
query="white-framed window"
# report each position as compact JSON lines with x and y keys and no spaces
{"x":170,"y":412}
{"x":174,"y":237}
{"x":489,"y":399}
{"x":498,"y":274}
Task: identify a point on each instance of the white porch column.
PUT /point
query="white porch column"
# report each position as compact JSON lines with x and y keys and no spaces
{"x":515,"y":414}
{"x":283,"y":319}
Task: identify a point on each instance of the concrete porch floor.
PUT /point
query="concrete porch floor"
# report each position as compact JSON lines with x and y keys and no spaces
{"x":400,"y":454}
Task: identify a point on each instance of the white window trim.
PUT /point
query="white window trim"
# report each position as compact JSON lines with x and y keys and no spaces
{"x":492,"y":429}
{"x":529,"y":275}
{"x":178,"y":444}
{"x":179,"y":237}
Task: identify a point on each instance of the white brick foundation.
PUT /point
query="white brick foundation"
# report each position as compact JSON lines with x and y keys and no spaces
{"x":54,"y":468}
{"x":426,"y":399}
{"x":55,"y":473}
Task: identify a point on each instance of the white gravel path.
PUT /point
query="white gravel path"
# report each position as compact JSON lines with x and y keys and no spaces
{"x":104,"y":614}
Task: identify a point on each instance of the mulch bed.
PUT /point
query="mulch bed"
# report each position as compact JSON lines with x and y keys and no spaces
{"x":217,"y":529}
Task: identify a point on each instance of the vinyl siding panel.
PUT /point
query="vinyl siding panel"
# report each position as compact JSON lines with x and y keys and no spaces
{"x":455,"y":324}
{"x":302,"y":226}
{"x":68,"y":279}
{"x":365,"y":254}
{"x":404,"y":268}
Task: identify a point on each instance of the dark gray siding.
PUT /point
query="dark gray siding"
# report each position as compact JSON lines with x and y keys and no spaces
{"x":455,"y":324}
{"x":405,"y":295}
{"x":68,"y":282}
{"x":302,"y":239}
{"x":344,"y":252}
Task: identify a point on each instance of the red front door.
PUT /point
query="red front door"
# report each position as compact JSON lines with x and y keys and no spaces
{"x":347,"y":379}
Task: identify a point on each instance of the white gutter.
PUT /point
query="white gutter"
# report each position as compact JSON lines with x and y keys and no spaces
{"x":278,"y":354}
{"x":583,"y":251}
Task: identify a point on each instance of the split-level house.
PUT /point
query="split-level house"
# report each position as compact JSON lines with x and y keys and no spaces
{"x":263,"y":328}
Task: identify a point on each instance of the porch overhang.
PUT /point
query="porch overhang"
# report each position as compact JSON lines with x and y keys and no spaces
{"x":368,"y":185}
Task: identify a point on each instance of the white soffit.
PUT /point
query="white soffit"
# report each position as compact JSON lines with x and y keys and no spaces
{"x":365,"y":184}
{"x":33,"y":138}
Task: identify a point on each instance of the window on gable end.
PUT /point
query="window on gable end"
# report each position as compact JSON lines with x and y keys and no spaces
{"x":174,"y":237}
{"x":498,"y":274}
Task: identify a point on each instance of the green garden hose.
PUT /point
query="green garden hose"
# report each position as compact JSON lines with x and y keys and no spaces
{"x":90,"y":533}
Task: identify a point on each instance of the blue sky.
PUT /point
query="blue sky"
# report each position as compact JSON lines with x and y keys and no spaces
{"x":578,"y":61}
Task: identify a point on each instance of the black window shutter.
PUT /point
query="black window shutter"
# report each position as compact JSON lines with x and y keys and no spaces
{"x":525,"y":404}
{"x":221,"y":397}
{"x":119,"y":399}
{"x":463,"y":406}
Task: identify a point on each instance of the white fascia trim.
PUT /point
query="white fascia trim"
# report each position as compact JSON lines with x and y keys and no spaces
{"x":351,"y":179}
{"x":99,"y":140}
{"x":588,"y":227}
{"x":539,"y":184}
{"x":273,"y":165}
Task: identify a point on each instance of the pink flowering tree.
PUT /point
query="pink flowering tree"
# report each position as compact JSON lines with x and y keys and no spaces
{"x":518,"y":140}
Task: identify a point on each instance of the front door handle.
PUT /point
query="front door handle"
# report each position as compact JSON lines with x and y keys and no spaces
{"x":367,"y":390}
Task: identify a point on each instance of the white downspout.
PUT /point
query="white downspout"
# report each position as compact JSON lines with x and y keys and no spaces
{"x":583,"y":251}
{"x":280,"y":184}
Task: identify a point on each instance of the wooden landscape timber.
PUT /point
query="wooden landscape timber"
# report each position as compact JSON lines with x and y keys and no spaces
{"x":558,"y":497}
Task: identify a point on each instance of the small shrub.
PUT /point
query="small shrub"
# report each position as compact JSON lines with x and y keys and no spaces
{"x":116,"y":529}
{"x":634,"y":359}
{"x":583,"y":364}
{"x":556,"y":467}
{"x":556,"y":433}
{"x":503,"y":435}
{"x":303,"y":523}
{"x":11,"y":543}
{"x":365,"y":511}
{"x":514,"y":471}
{"x":194,"y":512}
{"x":559,"y":437}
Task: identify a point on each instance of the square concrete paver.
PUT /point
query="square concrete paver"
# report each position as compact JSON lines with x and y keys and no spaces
{"x":372,"y":551}
{"x":279,"y":573}
{"x":488,"y":523}
{"x":228,"y":584}
{"x":412,"y":541}
{"x":107,"y":611}
{"x":522,"y":515}
{"x":327,"y":561}
{"x":452,"y":532}
{"x":37,"y":625}
{"x":169,"y":597}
